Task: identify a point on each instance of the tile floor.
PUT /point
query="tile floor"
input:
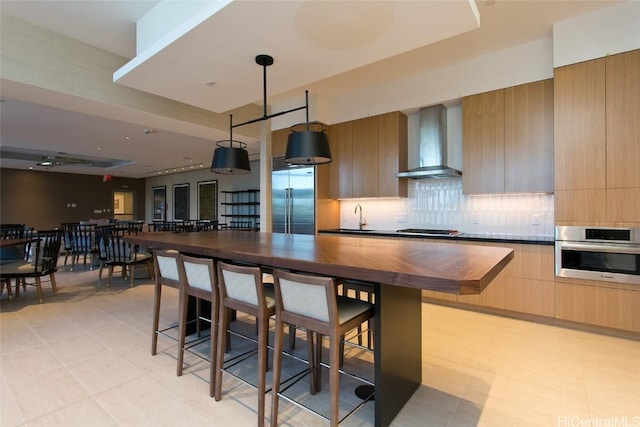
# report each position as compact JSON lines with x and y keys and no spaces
{"x":83,"y":359}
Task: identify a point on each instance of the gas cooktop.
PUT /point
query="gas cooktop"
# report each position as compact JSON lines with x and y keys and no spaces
{"x":429,"y":231}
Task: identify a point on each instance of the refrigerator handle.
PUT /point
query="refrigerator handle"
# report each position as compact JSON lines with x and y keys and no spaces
{"x":287,"y":210}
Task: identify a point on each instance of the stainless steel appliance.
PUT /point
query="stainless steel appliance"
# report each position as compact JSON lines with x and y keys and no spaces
{"x":598,"y":253}
{"x":293,"y":198}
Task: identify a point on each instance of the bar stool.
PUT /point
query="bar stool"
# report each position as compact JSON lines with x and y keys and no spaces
{"x":361,"y":291}
{"x":241,"y":289}
{"x":197,"y":279}
{"x":166,"y":274}
{"x":312,"y":302}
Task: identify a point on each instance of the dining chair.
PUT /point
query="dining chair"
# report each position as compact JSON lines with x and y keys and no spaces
{"x":125,"y":255}
{"x":44,"y":263}
{"x":83,"y":243}
{"x":311,"y":302}
{"x":241,"y":288}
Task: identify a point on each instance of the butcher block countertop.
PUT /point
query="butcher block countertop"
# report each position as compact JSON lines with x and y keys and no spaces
{"x":460,"y":269}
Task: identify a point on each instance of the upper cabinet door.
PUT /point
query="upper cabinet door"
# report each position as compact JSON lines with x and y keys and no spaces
{"x":623,"y":120}
{"x":483,"y":143}
{"x":365,"y":157}
{"x":579,"y":129}
{"x":529,"y":138}
{"x":393,"y":154}
{"x":279,"y":140}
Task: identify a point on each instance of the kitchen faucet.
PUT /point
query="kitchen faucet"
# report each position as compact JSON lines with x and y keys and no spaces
{"x":361,"y":223}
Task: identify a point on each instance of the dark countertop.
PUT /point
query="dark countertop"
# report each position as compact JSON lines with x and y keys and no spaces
{"x":472,"y":237}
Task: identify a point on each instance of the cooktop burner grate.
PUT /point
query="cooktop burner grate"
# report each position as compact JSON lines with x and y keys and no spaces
{"x":429,"y":231}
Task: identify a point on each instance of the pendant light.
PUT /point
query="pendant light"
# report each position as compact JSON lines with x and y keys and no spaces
{"x":308,"y":146}
{"x":230,"y":160}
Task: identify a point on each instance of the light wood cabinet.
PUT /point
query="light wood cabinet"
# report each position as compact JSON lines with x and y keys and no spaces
{"x":598,"y":305}
{"x":365,"y":157}
{"x":528,"y":138}
{"x":623,"y":123}
{"x":279,"y":140}
{"x":597,"y":141}
{"x":579,"y":129}
{"x":508,"y":140}
{"x":526,"y":285}
{"x":483,"y":143}
{"x":370,"y":153}
{"x":340,"y":134}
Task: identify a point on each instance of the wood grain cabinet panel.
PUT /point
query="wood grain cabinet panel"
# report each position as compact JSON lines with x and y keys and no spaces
{"x":594,"y":305}
{"x":370,"y":153}
{"x":623,"y":120}
{"x":525,"y":285}
{"x":483,"y":143}
{"x":597,"y":141}
{"x":340,"y":135}
{"x":528,"y":138}
{"x":279,"y":140}
{"x":579,"y":126}
{"x":365,"y":157}
{"x":392,"y":146}
{"x":507,"y":139}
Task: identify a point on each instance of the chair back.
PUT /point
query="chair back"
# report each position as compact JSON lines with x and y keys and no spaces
{"x":240,"y":283}
{"x":47,"y":251}
{"x":166,"y":267}
{"x":118,"y":250}
{"x":309,"y":296}
{"x":11,"y":231}
{"x":198,"y":275}
{"x":66,"y":234}
{"x":83,"y":237}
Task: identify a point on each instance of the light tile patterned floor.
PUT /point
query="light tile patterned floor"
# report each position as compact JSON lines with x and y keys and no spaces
{"x":83,"y":359}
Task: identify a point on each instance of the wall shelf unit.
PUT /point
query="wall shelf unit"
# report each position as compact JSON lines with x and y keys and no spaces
{"x":241,"y":210}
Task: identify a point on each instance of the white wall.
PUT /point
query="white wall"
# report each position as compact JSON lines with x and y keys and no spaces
{"x":596,"y":35}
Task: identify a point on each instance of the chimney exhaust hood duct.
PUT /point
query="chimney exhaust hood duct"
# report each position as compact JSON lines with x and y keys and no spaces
{"x":433,"y":146}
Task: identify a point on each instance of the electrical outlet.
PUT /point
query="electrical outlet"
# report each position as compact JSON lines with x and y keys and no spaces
{"x":536,"y":220}
{"x":402,"y":217}
{"x":475,"y":219}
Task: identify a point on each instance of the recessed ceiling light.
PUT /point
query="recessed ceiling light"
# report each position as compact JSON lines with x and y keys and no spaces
{"x":210,"y":84}
{"x":127,"y":138}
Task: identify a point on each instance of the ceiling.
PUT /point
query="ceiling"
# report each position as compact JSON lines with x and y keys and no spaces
{"x":330,"y":48}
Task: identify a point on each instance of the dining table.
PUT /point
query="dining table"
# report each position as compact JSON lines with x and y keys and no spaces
{"x":397,"y":269}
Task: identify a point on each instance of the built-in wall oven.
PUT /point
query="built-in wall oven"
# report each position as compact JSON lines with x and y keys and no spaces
{"x":598,"y":253}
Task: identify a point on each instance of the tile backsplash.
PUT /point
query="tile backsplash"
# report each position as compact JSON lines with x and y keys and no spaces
{"x":439,"y":203}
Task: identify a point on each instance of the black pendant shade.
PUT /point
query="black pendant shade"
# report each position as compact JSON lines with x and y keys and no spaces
{"x":230,"y":160}
{"x":304,"y":147}
{"x":308,"y":147}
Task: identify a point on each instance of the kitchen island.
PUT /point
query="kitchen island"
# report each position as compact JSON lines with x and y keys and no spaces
{"x":398,"y":270}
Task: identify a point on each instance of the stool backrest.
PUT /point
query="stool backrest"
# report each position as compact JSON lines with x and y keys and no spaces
{"x":241,"y":283}
{"x":198,"y":273}
{"x":306,"y":295}
{"x":166,"y":265}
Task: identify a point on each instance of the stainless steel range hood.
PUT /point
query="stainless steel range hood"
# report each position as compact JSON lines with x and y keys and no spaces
{"x":432,"y":146}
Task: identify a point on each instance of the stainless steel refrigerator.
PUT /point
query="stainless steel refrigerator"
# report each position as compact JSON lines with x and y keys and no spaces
{"x":293,"y":203}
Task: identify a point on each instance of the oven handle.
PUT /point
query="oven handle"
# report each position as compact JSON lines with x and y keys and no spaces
{"x":620,"y":249}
